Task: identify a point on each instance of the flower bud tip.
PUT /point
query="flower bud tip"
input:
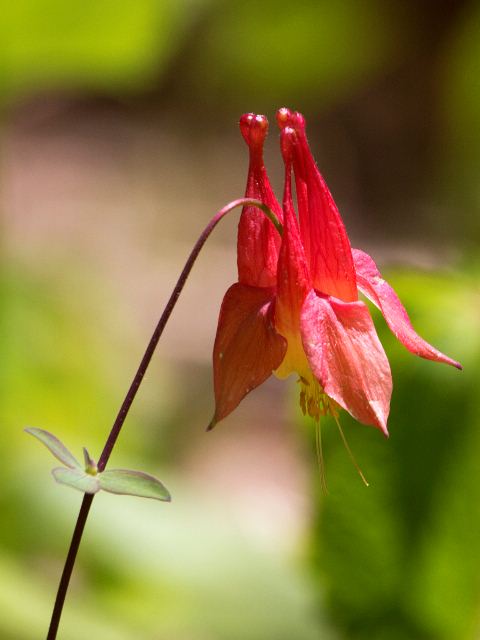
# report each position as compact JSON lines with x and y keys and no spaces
{"x":254,"y":129}
{"x":298,"y":121}
{"x":283,"y":117}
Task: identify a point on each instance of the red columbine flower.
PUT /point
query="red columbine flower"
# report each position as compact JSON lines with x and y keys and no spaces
{"x":295,"y":307}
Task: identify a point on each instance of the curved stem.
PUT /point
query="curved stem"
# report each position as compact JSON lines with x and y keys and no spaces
{"x":132,"y":392}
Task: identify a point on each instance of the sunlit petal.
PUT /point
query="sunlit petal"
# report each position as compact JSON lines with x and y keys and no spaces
{"x":324,"y":237}
{"x":346,"y":356}
{"x":247,"y":347}
{"x":376,"y":289}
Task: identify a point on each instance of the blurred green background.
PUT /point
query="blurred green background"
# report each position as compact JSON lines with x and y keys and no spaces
{"x":119,"y":141}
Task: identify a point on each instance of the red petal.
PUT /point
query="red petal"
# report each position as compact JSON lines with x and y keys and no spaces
{"x":346,"y":356}
{"x":325,"y":239}
{"x":371,"y":283}
{"x":293,"y":278}
{"x":258,"y":240}
{"x":247,"y":347}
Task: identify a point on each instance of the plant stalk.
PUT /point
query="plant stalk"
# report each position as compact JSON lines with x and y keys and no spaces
{"x":132,"y":392}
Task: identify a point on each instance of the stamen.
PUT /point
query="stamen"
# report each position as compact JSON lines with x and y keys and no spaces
{"x":321,"y":464}
{"x":313,"y":400}
{"x":349,"y":451}
{"x":315,"y":403}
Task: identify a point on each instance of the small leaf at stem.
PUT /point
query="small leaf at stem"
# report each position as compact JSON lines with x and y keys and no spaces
{"x":57,"y":448}
{"x":90,"y":464}
{"x":133,"y":483}
{"x":77,"y":479}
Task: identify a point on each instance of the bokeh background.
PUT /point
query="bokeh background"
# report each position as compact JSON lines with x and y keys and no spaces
{"x":119,"y":140}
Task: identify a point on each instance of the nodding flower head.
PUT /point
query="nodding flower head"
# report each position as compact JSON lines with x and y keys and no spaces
{"x":295,"y":307}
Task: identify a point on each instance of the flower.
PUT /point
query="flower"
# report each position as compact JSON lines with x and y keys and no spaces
{"x":295,"y":307}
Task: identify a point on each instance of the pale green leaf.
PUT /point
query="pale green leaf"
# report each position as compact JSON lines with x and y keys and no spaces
{"x":57,"y":448}
{"x":77,"y":479}
{"x":133,"y":483}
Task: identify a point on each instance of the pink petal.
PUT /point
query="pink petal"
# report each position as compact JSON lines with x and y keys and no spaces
{"x":247,"y":347}
{"x":258,"y":240}
{"x":346,"y":356}
{"x":371,"y":283}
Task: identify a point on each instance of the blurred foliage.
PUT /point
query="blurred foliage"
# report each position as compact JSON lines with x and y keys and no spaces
{"x":317,"y":52}
{"x":97,"y":44}
{"x":320,"y":50}
{"x":183,"y":570}
{"x":461,"y":108}
{"x":401,"y":559}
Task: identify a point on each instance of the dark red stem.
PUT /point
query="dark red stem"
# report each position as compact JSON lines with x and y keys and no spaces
{"x":129,"y":398}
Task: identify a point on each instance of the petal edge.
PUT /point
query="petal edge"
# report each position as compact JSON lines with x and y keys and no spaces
{"x":247,"y":347}
{"x":346,"y":356}
{"x":383,"y":296}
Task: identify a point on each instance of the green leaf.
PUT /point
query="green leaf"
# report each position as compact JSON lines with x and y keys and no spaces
{"x":133,"y":483}
{"x":57,"y":448}
{"x":77,"y":479}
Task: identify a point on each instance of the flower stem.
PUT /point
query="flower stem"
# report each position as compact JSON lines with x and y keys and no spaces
{"x":132,"y":392}
{"x":68,"y":567}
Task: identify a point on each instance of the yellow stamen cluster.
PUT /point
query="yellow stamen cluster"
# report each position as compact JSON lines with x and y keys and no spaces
{"x":313,"y":400}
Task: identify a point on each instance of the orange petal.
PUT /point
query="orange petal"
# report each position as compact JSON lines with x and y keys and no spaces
{"x":346,"y":356}
{"x":247,"y":347}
